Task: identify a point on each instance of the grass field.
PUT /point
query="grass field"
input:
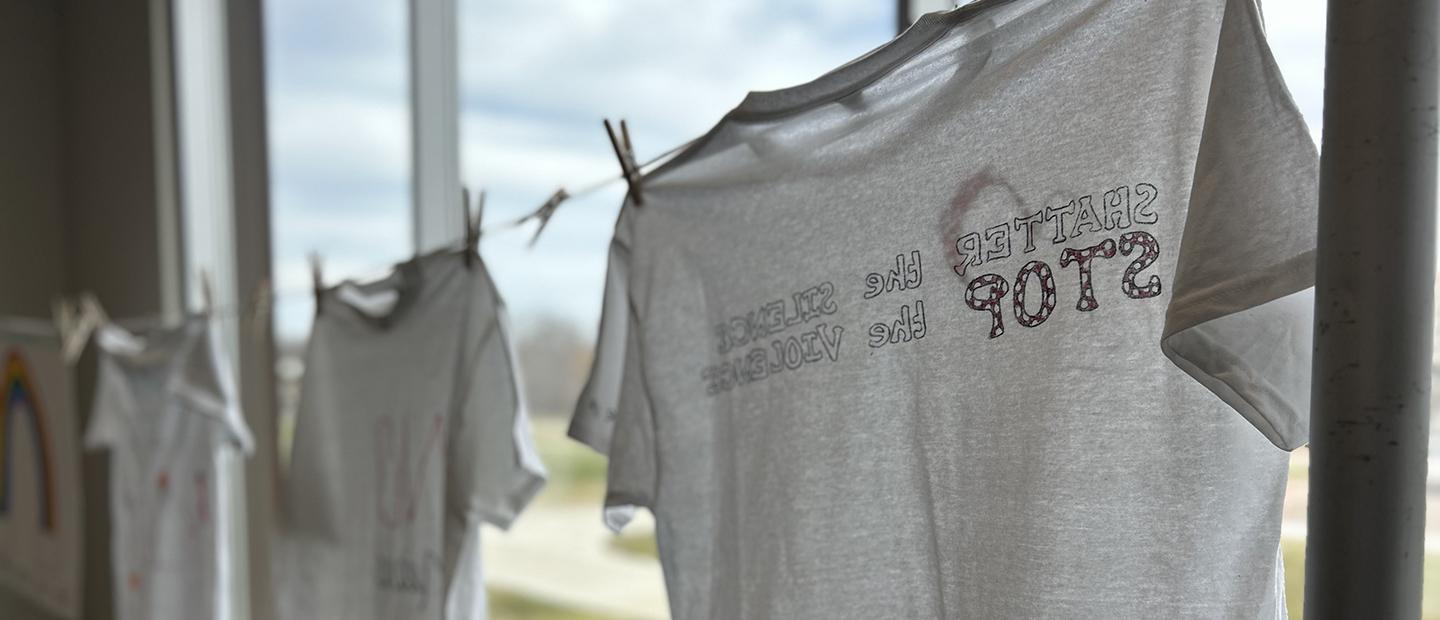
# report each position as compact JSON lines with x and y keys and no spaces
{"x":576,"y":476}
{"x":576,"y":473}
{"x":506,"y":606}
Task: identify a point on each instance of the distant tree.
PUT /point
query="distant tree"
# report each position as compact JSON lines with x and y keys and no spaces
{"x":554,"y":357}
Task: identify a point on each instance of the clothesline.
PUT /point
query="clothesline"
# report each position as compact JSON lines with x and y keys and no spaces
{"x":77,"y":319}
{"x":546,"y":210}
{"x":543,"y":214}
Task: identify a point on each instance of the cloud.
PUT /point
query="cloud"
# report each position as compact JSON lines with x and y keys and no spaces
{"x":672,"y":68}
{"x":339,"y":144}
{"x":539,"y":75}
{"x":345,"y":235}
{"x":339,"y":46}
{"x":329,"y":138}
{"x":515,"y":153}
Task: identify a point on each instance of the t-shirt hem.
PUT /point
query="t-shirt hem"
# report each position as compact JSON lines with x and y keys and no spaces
{"x":1236,"y":397}
{"x":591,"y":433}
{"x":620,"y":509}
{"x":516,"y":500}
{"x":1253,"y":396}
{"x":1237,"y":295}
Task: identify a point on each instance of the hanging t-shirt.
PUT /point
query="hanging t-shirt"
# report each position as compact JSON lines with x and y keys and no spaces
{"x":892,"y":344}
{"x":41,"y":526}
{"x":410,"y":434}
{"x":165,"y":407}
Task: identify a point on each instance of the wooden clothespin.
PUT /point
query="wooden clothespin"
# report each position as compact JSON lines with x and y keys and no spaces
{"x":65,"y":313}
{"x":625,"y":152}
{"x":76,"y":322}
{"x":67,"y":323}
{"x":90,"y":307}
{"x":546,"y":210}
{"x":317,"y":278}
{"x":472,"y":224}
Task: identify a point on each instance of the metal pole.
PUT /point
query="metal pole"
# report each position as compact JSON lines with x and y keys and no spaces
{"x":1374,"y":301}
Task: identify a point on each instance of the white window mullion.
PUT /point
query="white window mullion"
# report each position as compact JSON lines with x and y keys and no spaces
{"x":435,"y":123}
{"x":202,"y":112}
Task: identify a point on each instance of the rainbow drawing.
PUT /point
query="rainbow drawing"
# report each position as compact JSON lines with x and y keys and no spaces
{"x":17,"y":395}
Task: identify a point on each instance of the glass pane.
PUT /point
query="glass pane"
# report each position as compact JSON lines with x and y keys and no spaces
{"x":537,"y":78}
{"x":339,"y":156}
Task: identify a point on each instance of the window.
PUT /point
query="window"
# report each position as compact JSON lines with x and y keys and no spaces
{"x":339,"y":152}
{"x":537,"y":78}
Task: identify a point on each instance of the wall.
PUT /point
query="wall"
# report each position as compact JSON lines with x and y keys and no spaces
{"x":78,"y":194}
{"x":30,"y":193}
{"x":30,"y":199}
{"x":111,"y":234}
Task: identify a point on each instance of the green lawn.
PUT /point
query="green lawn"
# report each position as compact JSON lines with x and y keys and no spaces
{"x":576,"y":473}
{"x":639,"y":544}
{"x":576,"y":476}
{"x":507,"y":606}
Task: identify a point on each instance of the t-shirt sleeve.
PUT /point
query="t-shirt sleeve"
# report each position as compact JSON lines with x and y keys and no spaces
{"x":1239,"y":319}
{"x":208,"y":386}
{"x":311,"y":493}
{"x":614,"y":414}
{"x":633,"y":475}
{"x":593,"y":422}
{"x":494,"y":469}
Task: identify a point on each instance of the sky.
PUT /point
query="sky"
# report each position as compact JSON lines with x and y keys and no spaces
{"x":537,"y":77}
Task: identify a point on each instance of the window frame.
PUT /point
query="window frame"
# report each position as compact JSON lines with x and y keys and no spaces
{"x":435,"y":124}
{"x":214,"y":219}
{"x":215,"y":214}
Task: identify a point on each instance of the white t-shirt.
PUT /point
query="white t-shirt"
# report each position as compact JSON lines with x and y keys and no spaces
{"x":410,"y":434}
{"x":41,"y":524}
{"x":165,"y":408}
{"x":893,"y":343}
